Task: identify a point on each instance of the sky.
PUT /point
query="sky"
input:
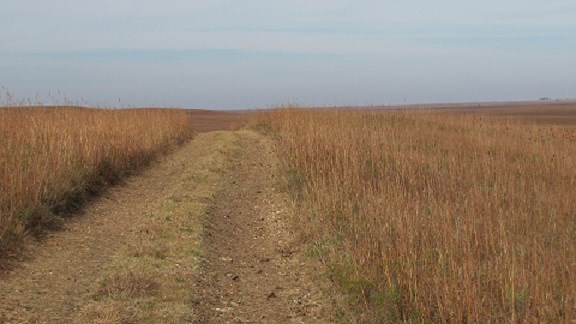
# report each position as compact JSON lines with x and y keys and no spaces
{"x":256,"y":54}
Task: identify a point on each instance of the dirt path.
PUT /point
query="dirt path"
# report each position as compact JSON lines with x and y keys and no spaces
{"x":201,"y":236}
{"x":132,"y":255}
{"x":254,"y":269}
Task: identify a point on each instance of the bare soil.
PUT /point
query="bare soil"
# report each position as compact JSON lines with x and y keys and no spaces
{"x":202,"y":235}
{"x":255,"y":268}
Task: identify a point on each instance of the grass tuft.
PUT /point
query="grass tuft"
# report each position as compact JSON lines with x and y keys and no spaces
{"x":128,"y":285}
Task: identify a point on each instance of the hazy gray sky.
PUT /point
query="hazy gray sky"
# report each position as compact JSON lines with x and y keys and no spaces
{"x":241,"y":54}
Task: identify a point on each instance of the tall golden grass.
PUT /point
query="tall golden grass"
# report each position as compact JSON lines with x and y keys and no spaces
{"x":52,"y":158}
{"x":439,"y":216}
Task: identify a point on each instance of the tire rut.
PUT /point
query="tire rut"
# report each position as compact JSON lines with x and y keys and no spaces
{"x":254,"y":268}
{"x":61,"y":280}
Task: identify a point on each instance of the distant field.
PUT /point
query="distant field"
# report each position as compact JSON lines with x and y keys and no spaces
{"x":210,"y":120}
{"x":436,"y":215}
{"x":543,"y":115}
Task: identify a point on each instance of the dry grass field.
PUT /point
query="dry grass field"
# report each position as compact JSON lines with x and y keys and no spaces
{"x":51,"y":159}
{"x":461,"y":215}
{"x":439,"y":215}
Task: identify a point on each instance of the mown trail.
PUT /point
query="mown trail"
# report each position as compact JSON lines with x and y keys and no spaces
{"x":201,"y":236}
